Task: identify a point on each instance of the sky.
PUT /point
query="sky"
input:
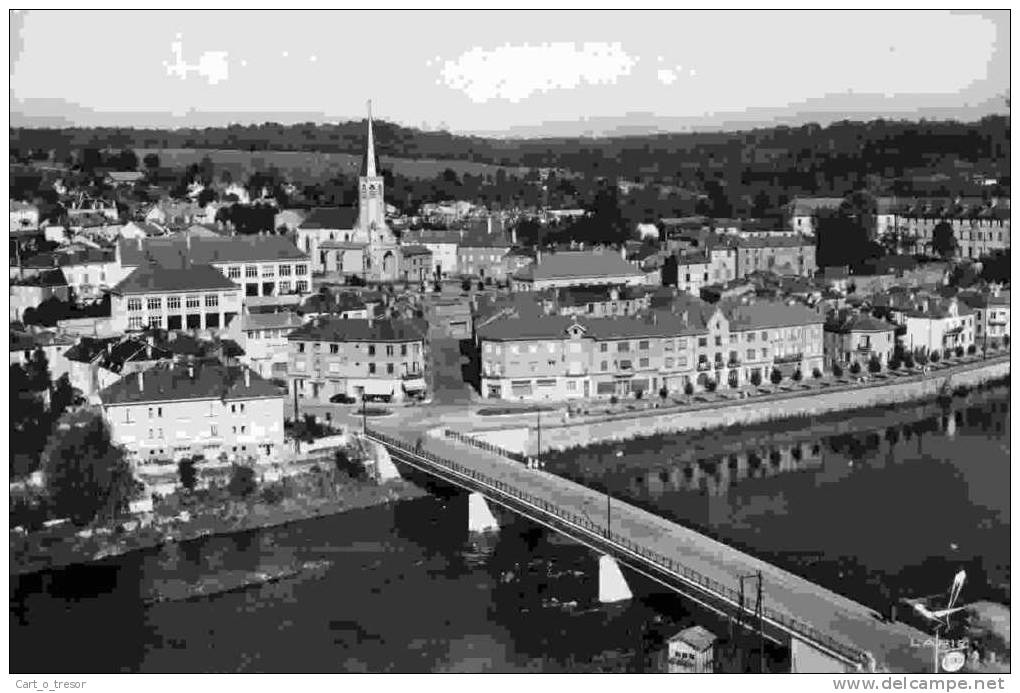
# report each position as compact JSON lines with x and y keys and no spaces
{"x":528,"y":73}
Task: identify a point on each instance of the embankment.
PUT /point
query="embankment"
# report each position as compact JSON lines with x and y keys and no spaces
{"x":627,"y":425}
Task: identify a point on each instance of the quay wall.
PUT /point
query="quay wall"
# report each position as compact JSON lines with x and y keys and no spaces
{"x":627,"y":425}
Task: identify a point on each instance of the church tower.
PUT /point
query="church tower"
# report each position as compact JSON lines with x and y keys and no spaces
{"x":371,"y":204}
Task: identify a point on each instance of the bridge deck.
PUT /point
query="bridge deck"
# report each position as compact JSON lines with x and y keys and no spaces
{"x":788,"y":597}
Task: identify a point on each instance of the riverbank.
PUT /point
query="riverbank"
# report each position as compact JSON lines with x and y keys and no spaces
{"x":180,"y":518}
{"x":577,"y":432}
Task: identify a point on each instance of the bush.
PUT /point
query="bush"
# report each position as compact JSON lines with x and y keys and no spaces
{"x":908,"y":360}
{"x":711,"y":385}
{"x":1005,"y":341}
{"x":689,"y":388}
{"x":242,"y":481}
{"x":816,"y":373}
{"x":935,"y":357}
{"x":465,"y":285}
{"x":921,"y":358}
{"x":638,"y":394}
{"x":756,"y":378}
{"x":874,"y":365}
{"x":972,"y":349}
{"x":272,"y":495}
{"x":437,"y":287}
{"x":797,"y":376}
{"x":837,"y":370}
{"x":959,"y":351}
{"x":776,"y":377}
{"x":894,"y":362}
{"x":855,"y":368}
{"x":187,"y":473}
{"x":663,"y":392}
{"x":614,"y":399}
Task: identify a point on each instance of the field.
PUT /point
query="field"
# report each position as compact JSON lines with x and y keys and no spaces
{"x":311,"y":167}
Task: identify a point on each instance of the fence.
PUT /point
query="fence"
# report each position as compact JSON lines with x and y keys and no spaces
{"x":657,"y":560}
{"x":482,"y":445}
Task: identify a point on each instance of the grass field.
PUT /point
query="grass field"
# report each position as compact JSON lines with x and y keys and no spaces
{"x":309,"y":167}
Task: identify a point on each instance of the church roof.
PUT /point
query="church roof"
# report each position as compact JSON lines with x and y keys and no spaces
{"x":331,"y":218}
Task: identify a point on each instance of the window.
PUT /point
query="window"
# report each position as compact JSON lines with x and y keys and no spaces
{"x":334,"y":348}
{"x":152,"y":412}
{"x":214,"y":431}
{"x":135,"y":323}
{"x":234,"y":272}
{"x":733,"y":339}
{"x":603,"y":348}
{"x":301,"y":347}
{"x":284,"y":270}
{"x":643,"y":363}
{"x":623,"y":347}
{"x":669,"y":363}
{"x":134,"y":304}
{"x":251,"y":271}
{"x":750,"y":353}
{"x":681,"y":362}
{"x":300,"y":269}
{"x":154,"y":303}
{"x":269,"y":270}
{"x":605,"y":365}
{"x":643,"y":345}
{"x":702,"y":341}
{"x":334,"y":367}
{"x":371,"y":349}
{"x":764,"y":353}
{"x":403,"y":350}
{"x":191,"y":302}
{"x":718,"y":340}
{"x":212,"y":301}
{"x":173,"y":302}
{"x":389,"y":350}
{"x":681,"y":343}
{"x":764,"y":336}
{"x":302,"y":287}
{"x":667,"y":345}
{"x":389,"y":368}
{"x":371,"y":368}
{"x":571,"y":386}
{"x":284,"y":287}
{"x":156,"y":321}
{"x":750,"y":336}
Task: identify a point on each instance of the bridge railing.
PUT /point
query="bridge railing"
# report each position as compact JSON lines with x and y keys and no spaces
{"x":663,"y":562}
{"x":482,"y":445}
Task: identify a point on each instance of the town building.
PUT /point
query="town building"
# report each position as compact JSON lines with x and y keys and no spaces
{"x":935,"y":325}
{"x":415,"y":263}
{"x":119,"y":179}
{"x":692,"y":272}
{"x":577,"y":268}
{"x":172,"y":411}
{"x":442,"y":243}
{"x":804,"y":211}
{"x":991,"y":316}
{"x":263,"y":337}
{"x":449,"y":318}
{"x":24,"y":216}
{"x":97,"y":363}
{"x":978,"y":229}
{"x":30,"y":292}
{"x":89,"y":273}
{"x":722,"y":262}
{"x":357,"y":358}
{"x":482,"y":254}
{"x":691,"y":651}
{"x":596,"y":301}
{"x":858,"y":339}
{"x":267,"y":269}
{"x":53,"y":344}
{"x":194,"y":297}
{"x":781,"y":255}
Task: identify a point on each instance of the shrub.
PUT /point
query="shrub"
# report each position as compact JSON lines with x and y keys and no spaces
{"x":689,"y":388}
{"x":908,"y":360}
{"x":776,"y":377}
{"x":894,"y":362}
{"x":921,"y":358}
{"x":711,"y":385}
{"x":187,"y":473}
{"x":465,"y":285}
{"x":614,"y":399}
{"x":756,"y":378}
{"x":855,"y":368}
{"x":797,"y":376}
{"x":959,"y":351}
{"x":272,"y":495}
{"x":816,"y":373}
{"x":972,"y":350}
{"x":874,"y":365}
{"x":1005,"y":340}
{"x":935,"y":357}
{"x":481,"y":286}
{"x":242,"y":481}
{"x":837,"y":370}
{"x":663,"y":392}
{"x":638,"y":394}
{"x":437,"y":287}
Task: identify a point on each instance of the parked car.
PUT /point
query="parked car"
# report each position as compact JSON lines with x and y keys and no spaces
{"x":342,"y":399}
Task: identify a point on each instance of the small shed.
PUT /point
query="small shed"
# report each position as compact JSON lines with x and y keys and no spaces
{"x":691,"y":651}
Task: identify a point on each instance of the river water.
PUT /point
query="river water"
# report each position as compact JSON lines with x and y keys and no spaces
{"x":879,"y":501}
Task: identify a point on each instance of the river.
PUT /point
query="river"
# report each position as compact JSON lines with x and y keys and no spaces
{"x":878,"y":501}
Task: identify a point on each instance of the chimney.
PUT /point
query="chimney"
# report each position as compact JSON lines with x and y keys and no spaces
{"x":513,"y":236}
{"x":141,"y":381}
{"x":684,"y":317}
{"x":247,"y":377}
{"x":623,"y":251}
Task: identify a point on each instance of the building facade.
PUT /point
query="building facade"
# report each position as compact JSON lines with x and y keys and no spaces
{"x":859,"y":339}
{"x":577,"y":268}
{"x":937,"y":326}
{"x":783,"y":255}
{"x":194,"y":298}
{"x":357,"y":358}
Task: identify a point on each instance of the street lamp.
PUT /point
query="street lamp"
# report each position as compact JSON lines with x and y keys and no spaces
{"x":941,"y":617}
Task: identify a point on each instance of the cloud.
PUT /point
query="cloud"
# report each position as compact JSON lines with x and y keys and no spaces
{"x":211,"y":65}
{"x":514,"y":73}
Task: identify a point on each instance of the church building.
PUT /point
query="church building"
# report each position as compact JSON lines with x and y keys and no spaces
{"x":342,"y":244}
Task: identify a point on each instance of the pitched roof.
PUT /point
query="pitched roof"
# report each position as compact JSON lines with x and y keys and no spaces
{"x":330,"y":218}
{"x":154,"y":278}
{"x":270,"y":321}
{"x":806,"y":206}
{"x":112,"y":353}
{"x":408,"y":250}
{"x":772,"y":241}
{"x":697,"y":637}
{"x":204,"y":380}
{"x":125,"y":176}
{"x":168,"y":251}
{"x":985,"y":299}
{"x":580,"y":265}
{"x":770,"y":314}
{"x":860,"y":323}
{"x":655,"y":324}
{"x":360,"y":330}
{"x":52,"y":277}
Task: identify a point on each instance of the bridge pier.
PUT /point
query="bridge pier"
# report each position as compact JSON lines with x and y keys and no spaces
{"x":480,"y":516}
{"x":612,"y":585}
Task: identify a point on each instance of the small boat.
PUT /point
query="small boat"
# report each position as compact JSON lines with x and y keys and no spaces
{"x":230,"y":581}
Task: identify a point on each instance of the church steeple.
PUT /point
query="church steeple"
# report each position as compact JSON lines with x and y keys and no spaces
{"x":372,"y":208}
{"x":370,"y":164}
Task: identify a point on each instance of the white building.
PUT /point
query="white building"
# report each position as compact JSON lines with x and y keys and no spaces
{"x":939,"y":326}
{"x":263,"y":336}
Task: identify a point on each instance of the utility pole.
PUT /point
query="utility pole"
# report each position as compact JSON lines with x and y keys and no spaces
{"x":538,"y":446}
{"x":364,"y":416}
{"x":758,"y":614}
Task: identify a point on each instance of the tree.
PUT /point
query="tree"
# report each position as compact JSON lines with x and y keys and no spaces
{"x":188,"y":473}
{"x":837,"y":370}
{"x":242,"y":481}
{"x":959,"y":351}
{"x":151,"y":161}
{"x":689,"y":388}
{"x":776,"y":376}
{"x":62,"y":396}
{"x":87,"y":477}
{"x":874,"y":364}
{"x":816,"y":373}
{"x":756,"y":377}
{"x":971,"y":350}
{"x":797,"y":376}
{"x":345,"y":465}
{"x":670,"y":271}
{"x":465,"y":284}
{"x":663,"y":392}
{"x":855,"y":367}
{"x":943,"y":240}
{"x":921,"y":358}
{"x":935,"y":356}
{"x":481,"y":286}
{"x":711,"y":385}
{"x":908,"y":360}
{"x":895,"y":361}
{"x":37,"y":371}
